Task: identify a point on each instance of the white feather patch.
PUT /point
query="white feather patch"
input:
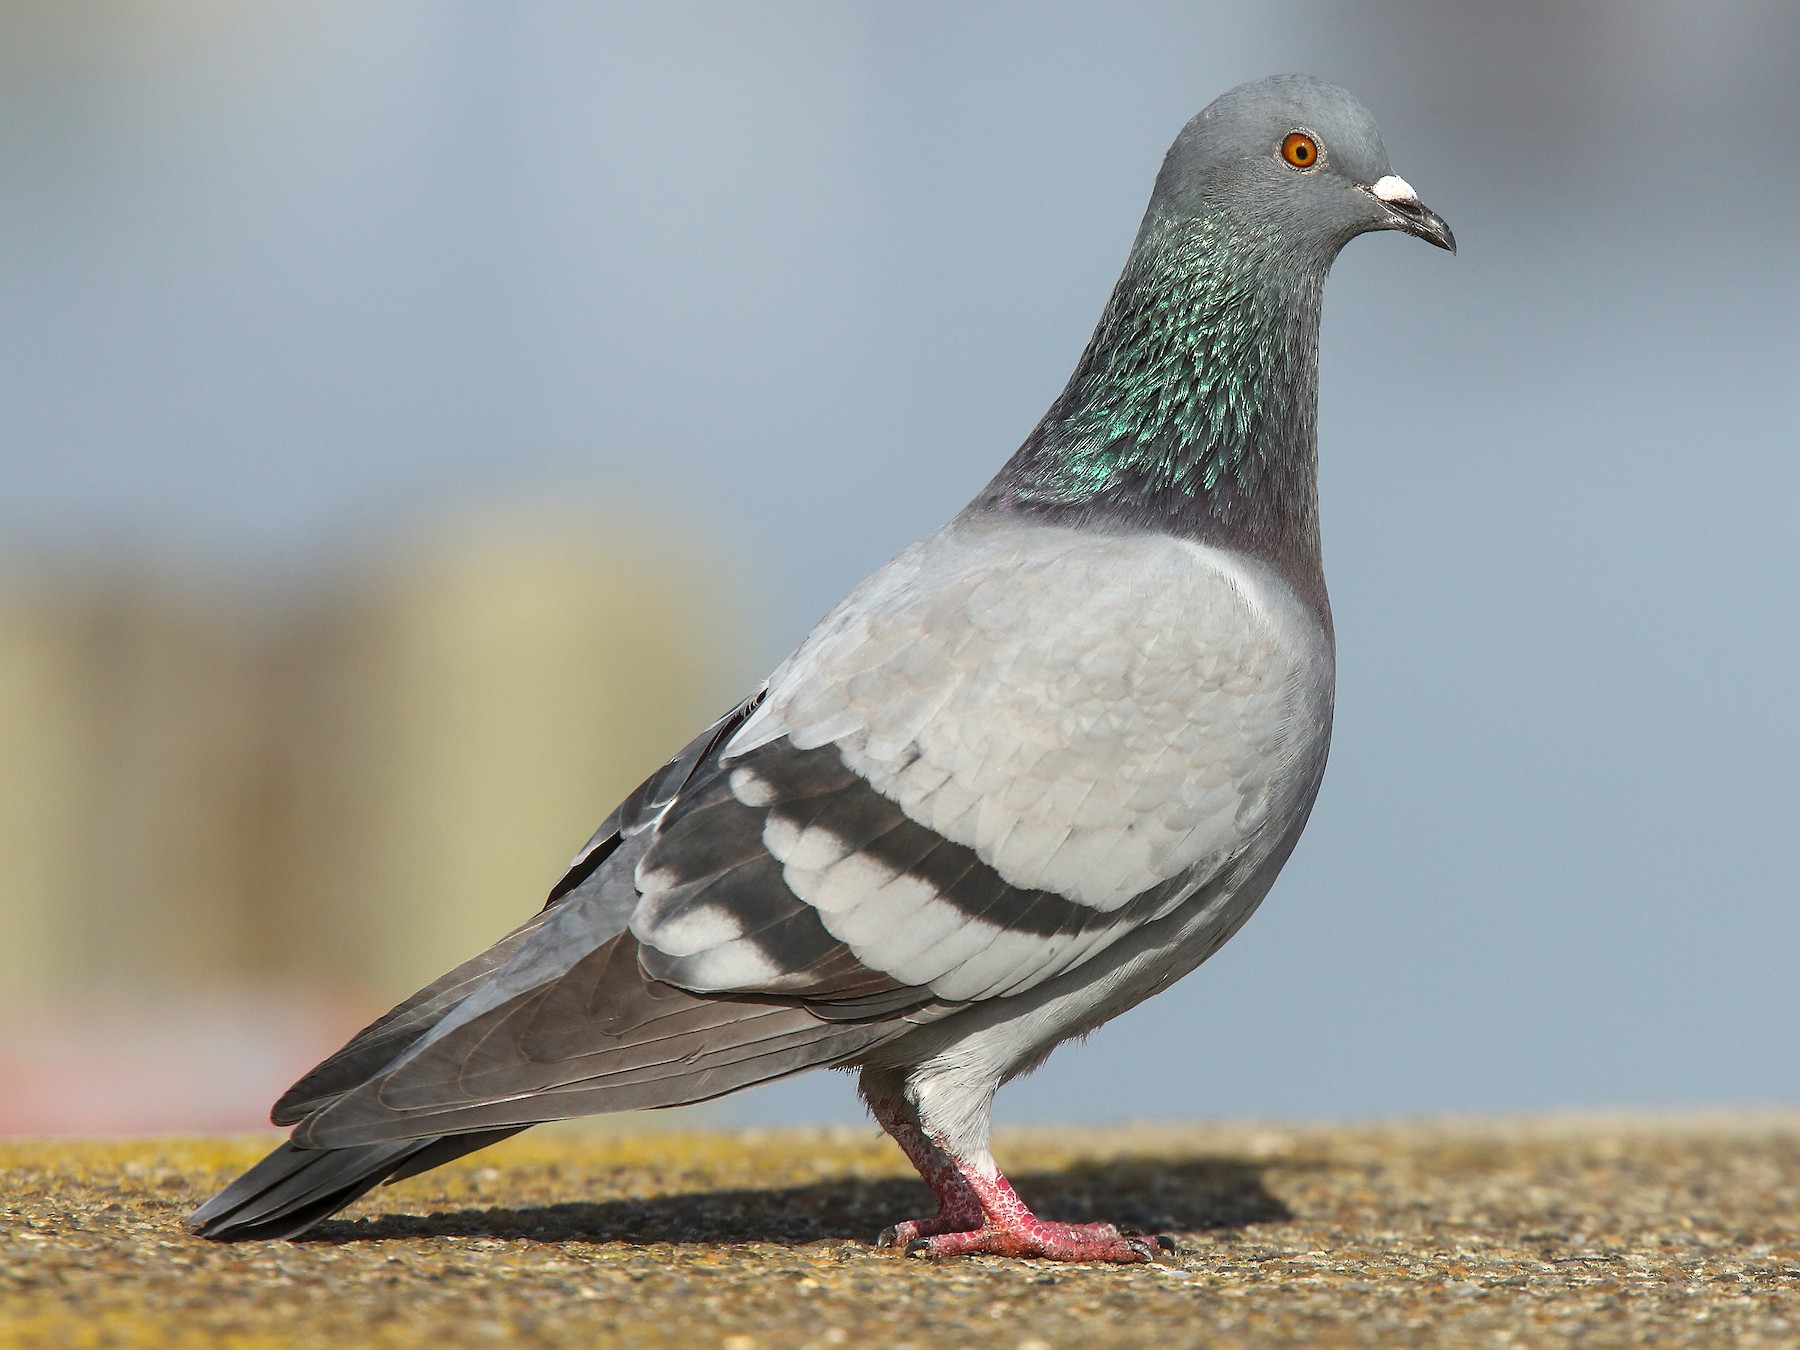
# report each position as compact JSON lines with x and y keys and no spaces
{"x":869,"y":927}
{"x":735,"y":965}
{"x":840,"y":888}
{"x":694,"y":929}
{"x":809,"y":848}
{"x":751,"y":788}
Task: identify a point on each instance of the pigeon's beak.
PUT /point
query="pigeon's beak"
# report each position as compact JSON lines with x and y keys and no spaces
{"x":1407,"y":212}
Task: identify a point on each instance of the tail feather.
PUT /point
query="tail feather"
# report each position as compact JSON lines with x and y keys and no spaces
{"x":397,"y":1031}
{"x":294,"y":1188}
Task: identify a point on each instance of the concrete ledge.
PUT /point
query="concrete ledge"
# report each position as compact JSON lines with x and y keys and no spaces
{"x":1632,"y":1230}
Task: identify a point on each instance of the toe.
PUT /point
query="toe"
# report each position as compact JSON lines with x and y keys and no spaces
{"x":976,"y":1242}
{"x":1043,"y":1243}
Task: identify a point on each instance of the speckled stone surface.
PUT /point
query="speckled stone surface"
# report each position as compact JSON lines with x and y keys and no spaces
{"x":1581,"y":1231}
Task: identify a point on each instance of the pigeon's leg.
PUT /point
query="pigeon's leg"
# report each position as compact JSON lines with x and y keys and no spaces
{"x":978,"y":1210}
{"x":958,"y":1208}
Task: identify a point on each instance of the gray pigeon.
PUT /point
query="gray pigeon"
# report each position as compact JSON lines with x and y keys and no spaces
{"x":1035,"y":769}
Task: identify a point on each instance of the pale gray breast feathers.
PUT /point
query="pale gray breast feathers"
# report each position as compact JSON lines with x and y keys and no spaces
{"x":1097,"y":724}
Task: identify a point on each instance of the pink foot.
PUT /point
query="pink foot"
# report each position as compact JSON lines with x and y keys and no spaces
{"x":979,"y":1212}
{"x":982,"y":1214}
{"x":1051,"y":1241}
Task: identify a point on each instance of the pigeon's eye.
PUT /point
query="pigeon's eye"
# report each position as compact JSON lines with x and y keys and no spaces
{"x":1300,"y":150}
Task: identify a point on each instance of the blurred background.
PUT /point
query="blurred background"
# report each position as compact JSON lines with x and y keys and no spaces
{"x":420,"y":417}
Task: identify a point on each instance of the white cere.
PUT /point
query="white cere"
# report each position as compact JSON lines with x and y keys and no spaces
{"x":1394,"y":188}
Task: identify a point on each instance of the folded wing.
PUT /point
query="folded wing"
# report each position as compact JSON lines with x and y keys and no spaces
{"x":1004,"y":752}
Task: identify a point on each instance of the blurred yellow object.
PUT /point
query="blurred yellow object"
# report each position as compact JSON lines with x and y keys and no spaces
{"x":332,"y":800}
{"x":463,"y":719}
{"x":128,"y":777}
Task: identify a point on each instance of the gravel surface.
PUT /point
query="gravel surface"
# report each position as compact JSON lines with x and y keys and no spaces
{"x":1591,"y":1231}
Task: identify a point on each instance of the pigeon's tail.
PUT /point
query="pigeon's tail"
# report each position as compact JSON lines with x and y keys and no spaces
{"x":294,"y":1188}
{"x":598,"y":1038}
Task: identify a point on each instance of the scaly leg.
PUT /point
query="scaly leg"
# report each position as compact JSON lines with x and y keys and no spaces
{"x":979,"y":1212}
{"x":958,"y":1209}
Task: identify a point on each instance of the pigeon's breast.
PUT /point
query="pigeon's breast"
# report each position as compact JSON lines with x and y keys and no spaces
{"x":1093,"y":715}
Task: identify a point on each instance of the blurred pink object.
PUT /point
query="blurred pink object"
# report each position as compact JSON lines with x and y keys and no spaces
{"x":208,"y":1064}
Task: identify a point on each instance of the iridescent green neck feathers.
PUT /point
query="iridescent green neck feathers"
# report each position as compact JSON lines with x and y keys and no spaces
{"x":1194,"y":407}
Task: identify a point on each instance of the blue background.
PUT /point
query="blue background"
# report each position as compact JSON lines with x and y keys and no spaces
{"x":281,"y":276}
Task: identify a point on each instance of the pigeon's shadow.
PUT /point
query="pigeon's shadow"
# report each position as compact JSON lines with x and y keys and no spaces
{"x":1183,"y":1195}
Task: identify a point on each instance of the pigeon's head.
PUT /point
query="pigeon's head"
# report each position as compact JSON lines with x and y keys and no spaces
{"x":1297,"y":165}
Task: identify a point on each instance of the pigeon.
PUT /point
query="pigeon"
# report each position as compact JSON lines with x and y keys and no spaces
{"x":1038,"y":767}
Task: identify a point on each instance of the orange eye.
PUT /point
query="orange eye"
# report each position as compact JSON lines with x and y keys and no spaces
{"x":1300,"y":150}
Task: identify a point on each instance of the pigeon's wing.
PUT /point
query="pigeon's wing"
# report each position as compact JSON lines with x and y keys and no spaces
{"x":1009,"y":749}
{"x":1003,"y":753}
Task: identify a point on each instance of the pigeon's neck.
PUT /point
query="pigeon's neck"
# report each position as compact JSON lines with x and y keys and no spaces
{"x":1193,"y":409}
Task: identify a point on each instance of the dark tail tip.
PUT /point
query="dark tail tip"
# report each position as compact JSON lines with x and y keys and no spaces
{"x":294,"y":1188}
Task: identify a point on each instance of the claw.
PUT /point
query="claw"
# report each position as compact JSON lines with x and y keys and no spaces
{"x":1155,"y":1248}
{"x":919,"y":1247}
